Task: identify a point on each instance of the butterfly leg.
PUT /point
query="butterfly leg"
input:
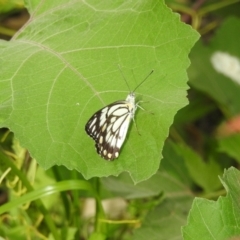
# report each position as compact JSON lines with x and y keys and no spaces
{"x":136,"y":126}
{"x":137,"y":104}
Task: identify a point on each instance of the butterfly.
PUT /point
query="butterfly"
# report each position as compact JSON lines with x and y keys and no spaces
{"x":109,"y":126}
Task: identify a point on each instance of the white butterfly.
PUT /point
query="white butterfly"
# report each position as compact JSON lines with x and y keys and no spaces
{"x":109,"y":126}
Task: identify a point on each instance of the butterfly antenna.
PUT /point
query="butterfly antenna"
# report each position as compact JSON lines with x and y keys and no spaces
{"x":143,"y":81}
{"x":124,"y":78}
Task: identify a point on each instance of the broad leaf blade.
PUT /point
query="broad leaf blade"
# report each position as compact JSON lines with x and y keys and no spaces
{"x":220,"y":219}
{"x":63,"y":66}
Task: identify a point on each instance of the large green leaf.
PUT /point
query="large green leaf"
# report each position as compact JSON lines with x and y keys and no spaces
{"x":62,"y":66}
{"x":217,"y":220}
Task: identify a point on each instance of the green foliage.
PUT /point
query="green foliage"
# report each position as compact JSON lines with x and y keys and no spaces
{"x":65,"y":67}
{"x":205,"y":78}
{"x":216,"y":220}
{"x":203,"y":173}
{"x":10,"y":5}
{"x":174,"y":211}
{"x":62,"y":66}
{"x":231,"y":145}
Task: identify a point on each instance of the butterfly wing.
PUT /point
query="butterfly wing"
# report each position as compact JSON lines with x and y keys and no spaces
{"x":109,"y":126}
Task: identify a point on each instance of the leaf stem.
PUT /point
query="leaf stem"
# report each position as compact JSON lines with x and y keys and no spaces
{"x":58,"y":178}
{"x":216,"y":6}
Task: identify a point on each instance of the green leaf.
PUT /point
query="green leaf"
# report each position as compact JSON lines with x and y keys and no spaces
{"x":50,"y":189}
{"x":97,"y":236}
{"x":206,"y":78}
{"x":198,"y":107}
{"x":10,"y":6}
{"x":67,"y":234}
{"x":216,"y":220}
{"x":176,"y":178}
{"x":204,"y":173}
{"x":165,"y":221}
{"x":172,"y":179}
{"x":230,"y":145}
{"x":62,"y":66}
{"x":123,"y":186}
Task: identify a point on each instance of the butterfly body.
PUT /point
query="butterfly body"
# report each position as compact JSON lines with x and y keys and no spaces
{"x":109,"y":126}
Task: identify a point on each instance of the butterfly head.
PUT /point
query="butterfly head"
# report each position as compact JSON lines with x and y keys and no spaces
{"x":131,"y":98}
